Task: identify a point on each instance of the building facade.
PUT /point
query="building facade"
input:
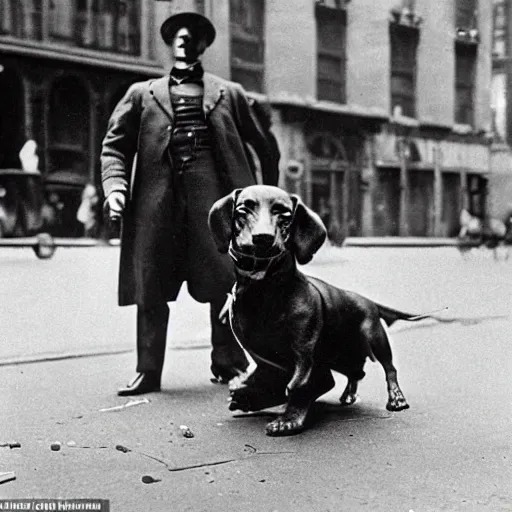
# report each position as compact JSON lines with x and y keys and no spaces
{"x":386,"y":107}
{"x":382,"y":110}
{"x":500,"y":200}
{"x":64,"y":65}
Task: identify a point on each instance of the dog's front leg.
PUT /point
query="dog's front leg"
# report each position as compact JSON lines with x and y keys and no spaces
{"x":293,"y":419}
{"x":306,"y":385}
{"x":302,"y":374}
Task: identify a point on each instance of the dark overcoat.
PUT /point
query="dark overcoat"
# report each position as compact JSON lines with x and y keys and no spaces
{"x":134,"y":160}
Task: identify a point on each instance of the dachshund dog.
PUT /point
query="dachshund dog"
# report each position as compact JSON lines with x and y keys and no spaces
{"x":296,"y":328}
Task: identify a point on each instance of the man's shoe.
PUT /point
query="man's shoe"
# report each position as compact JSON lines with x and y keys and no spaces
{"x":142,"y":383}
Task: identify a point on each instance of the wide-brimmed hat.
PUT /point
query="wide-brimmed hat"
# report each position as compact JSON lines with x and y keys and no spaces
{"x":190,"y":20}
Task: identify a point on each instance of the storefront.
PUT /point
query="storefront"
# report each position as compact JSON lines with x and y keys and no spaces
{"x":423,"y":183}
{"x":365,"y":177}
{"x":324,"y":159}
{"x":64,"y":107}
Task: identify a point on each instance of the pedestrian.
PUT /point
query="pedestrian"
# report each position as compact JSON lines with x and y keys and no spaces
{"x":87,"y":213}
{"x":190,"y":131}
{"x":28,"y":156}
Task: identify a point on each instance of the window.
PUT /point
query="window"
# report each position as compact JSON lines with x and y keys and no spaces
{"x":112,"y":25}
{"x":68,"y":126}
{"x":465,"y":17}
{"x":404,"y":43}
{"x":477,"y":192}
{"x":21,"y":18}
{"x":465,"y":63}
{"x":247,"y":26}
{"x":466,"y":21}
{"x":107,"y":25}
{"x":499,"y":39}
{"x":200,"y":8}
{"x":60,"y":27}
{"x":331,"y":54}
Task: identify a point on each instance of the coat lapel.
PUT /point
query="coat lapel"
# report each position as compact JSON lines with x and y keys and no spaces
{"x":213,"y":92}
{"x":159,"y":89}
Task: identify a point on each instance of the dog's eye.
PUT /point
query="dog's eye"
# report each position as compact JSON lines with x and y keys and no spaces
{"x":281,"y":211}
{"x":241,"y":211}
{"x":284,"y":217}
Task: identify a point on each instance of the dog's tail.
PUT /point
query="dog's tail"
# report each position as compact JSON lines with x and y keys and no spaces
{"x":390,"y":315}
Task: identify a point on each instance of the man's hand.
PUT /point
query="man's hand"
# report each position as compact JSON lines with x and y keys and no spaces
{"x":116,"y":202}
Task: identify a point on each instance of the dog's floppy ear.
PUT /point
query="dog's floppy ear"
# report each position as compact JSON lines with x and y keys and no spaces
{"x":309,"y":232}
{"x":220,"y":220}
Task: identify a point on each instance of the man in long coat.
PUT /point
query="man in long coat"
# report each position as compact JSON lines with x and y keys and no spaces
{"x":187,"y":134}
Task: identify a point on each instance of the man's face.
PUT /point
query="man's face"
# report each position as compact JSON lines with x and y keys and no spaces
{"x":187,"y":46}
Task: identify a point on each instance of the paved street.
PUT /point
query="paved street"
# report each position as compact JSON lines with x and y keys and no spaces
{"x":451,"y":451}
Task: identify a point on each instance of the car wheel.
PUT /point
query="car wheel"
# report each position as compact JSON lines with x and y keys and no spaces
{"x":45,"y":246}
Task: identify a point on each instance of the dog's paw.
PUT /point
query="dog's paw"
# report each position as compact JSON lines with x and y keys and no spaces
{"x":348,"y":398}
{"x":287,"y":425}
{"x":397,"y":402}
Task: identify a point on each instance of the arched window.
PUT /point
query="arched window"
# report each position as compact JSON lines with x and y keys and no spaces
{"x":68,"y":127}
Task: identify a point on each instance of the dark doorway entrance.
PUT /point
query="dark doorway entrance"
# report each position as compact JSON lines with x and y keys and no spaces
{"x":12,"y":119}
{"x":387,"y":202}
{"x":421,"y":203}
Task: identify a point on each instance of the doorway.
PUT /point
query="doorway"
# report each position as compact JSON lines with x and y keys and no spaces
{"x":12,"y":119}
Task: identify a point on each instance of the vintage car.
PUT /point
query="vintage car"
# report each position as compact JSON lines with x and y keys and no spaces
{"x":23,"y":212}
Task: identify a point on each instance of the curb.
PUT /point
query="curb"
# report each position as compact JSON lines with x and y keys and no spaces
{"x":42,"y":358}
{"x":407,"y":241}
{"x":199,"y":344}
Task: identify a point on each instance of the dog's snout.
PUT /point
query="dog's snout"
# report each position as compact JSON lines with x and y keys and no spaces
{"x":263,"y":240}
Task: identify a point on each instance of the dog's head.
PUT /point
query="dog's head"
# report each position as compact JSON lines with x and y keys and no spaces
{"x":262,"y":221}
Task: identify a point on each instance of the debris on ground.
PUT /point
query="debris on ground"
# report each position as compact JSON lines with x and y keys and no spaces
{"x":186,"y":432}
{"x":148,"y":479}
{"x":88,"y":447}
{"x":7,"y":476}
{"x":10,"y":445}
{"x":248,"y":449}
{"x":56,"y":446}
{"x":130,"y":403}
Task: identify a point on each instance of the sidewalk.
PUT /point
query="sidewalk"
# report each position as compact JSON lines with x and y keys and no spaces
{"x":371,"y":241}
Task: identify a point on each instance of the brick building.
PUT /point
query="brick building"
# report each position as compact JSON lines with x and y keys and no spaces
{"x":381,"y":109}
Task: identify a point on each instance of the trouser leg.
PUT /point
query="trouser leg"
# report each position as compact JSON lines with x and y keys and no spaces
{"x":151,"y":337}
{"x":228,"y":358}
